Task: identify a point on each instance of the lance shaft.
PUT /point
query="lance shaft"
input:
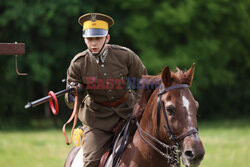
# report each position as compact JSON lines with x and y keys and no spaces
{"x":45,"y":99}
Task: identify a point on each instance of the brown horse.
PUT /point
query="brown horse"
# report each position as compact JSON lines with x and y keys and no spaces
{"x":166,"y":124}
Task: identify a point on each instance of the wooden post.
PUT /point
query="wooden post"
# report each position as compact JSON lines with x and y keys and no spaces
{"x":12,"y":48}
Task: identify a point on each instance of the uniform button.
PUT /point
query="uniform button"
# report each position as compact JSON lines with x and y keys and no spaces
{"x":102,"y":65}
{"x":105,"y":74}
{"x":112,"y":97}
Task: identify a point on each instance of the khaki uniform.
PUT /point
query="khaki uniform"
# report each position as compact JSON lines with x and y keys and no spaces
{"x":107,"y":82}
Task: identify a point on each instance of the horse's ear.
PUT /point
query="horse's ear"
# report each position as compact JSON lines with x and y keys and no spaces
{"x":165,"y":76}
{"x":189,"y":75}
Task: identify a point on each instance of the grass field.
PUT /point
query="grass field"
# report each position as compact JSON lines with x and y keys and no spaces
{"x":227,"y":144}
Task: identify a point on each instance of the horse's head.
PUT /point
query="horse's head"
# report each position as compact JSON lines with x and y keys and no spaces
{"x":180,"y":118}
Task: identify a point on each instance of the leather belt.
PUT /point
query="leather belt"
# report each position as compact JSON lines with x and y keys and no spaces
{"x":115,"y":103}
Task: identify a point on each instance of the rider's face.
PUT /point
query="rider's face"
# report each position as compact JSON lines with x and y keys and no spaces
{"x":95,"y":43}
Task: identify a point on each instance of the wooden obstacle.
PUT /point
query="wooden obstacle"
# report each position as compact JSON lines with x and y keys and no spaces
{"x":13,"y":49}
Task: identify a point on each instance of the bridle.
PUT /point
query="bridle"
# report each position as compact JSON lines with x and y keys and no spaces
{"x":172,"y":152}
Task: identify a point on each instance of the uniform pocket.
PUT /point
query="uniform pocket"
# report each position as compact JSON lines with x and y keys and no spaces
{"x":119,"y":77}
{"x":87,"y":112}
{"x":91,"y":104}
{"x":121,"y":73}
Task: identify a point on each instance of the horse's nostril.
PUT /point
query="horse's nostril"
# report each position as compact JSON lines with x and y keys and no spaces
{"x":189,"y":154}
{"x":200,"y":156}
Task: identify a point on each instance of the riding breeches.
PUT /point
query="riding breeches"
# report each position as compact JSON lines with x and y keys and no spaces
{"x":95,"y":143}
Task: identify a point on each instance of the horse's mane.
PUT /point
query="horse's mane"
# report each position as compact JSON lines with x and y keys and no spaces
{"x":150,"y":83}
{"x":179,"y":76}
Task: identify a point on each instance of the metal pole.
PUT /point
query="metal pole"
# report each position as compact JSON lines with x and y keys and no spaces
{"x":45,"y":99}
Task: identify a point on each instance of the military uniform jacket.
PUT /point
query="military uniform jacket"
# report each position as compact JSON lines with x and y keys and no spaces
{"x":105,"y":81}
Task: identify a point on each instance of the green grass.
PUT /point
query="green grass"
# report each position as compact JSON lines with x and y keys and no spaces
{"x":41,"y":148}
{"x":227,"y":144}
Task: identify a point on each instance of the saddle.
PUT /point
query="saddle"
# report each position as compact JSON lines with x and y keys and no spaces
{"x":127,"y":132}
{"x":123,"y":135}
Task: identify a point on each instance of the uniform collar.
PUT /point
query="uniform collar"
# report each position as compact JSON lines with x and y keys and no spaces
{"x":101,"y":57}
{"x":104,"y":55}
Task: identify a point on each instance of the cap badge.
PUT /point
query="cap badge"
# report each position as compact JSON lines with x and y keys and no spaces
{"x":93,"y":17}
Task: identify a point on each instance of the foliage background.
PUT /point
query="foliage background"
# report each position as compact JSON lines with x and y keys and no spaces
{"x":213,"y":34}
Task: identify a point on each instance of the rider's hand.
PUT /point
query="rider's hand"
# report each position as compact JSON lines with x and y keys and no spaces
{"x":71,"y":96}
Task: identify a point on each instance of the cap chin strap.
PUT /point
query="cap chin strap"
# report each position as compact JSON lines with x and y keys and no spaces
{"x":97,"y":54}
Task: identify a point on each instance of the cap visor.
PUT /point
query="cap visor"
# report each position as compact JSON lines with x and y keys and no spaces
{"x":95,"y":32}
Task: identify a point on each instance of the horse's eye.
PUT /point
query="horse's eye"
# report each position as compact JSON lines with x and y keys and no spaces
{"x":170,"y":110}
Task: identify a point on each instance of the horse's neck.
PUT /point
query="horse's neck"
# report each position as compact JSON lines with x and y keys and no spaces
{"x":138,"y":152}
{"x":146,"y":124}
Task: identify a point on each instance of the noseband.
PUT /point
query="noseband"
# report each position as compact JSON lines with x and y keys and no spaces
{"x":172,"y":153}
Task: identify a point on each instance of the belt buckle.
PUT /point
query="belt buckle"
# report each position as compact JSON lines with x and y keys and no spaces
{"x":110,"y":104}
{"x":113,"y":104}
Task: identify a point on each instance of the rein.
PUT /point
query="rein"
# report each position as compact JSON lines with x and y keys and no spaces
{"x":74,"y":116}
{"x":168,"y":149}
{"x":172,"y":153}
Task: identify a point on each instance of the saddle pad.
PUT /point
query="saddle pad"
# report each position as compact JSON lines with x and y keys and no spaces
{"x":78,"y":160}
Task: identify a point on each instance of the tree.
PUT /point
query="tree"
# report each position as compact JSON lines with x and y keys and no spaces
{"x":213,"y":34}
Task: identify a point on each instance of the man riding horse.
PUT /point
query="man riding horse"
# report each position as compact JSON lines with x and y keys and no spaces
{"x":102,"y":69}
